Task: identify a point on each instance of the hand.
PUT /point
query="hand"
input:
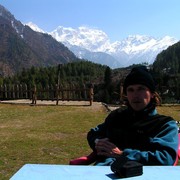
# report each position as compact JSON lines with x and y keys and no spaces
{"x":105,"y":148}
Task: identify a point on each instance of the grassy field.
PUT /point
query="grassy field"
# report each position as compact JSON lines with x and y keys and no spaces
{"x":48,"y":134}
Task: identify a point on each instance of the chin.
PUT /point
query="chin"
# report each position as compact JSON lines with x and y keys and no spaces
{"x":135,"y":108}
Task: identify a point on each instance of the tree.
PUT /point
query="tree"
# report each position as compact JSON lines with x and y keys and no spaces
{"x":107,"y":77}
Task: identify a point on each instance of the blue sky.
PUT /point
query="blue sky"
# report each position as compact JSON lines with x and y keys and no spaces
{"x":117,"y":18}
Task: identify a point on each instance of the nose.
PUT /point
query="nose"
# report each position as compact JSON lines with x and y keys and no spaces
{"x":135,"y":93}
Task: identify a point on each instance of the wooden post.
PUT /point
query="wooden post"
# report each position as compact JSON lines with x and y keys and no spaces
{"x":48,"y":92}
{"x":17,"y":91}
{"x":21,"y":91}
{"x":68,"y":92}
{"x":63,"y":94}
{"x":121,"y":93}
{"x":57,"y":94}
{"x":1,"y":92}
{"x":13,"y":91}
{"x":34,"y":95}
{"x":84,"y":91}
{"x":9,"y":91}
{"x":5,"y":92}
{"x":52,"y":92}
{"x":58,"y":84}
{"x":26,"y":91}
{"x":91,"y":94}
{"x":73,"y":92}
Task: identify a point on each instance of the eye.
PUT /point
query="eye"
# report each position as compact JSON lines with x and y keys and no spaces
{"x":142,"y":88}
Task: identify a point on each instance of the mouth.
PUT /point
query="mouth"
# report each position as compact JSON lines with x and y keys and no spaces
{"x":136,"y":101}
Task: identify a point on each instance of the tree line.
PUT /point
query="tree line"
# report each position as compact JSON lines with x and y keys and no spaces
{"x":76,"y":72}
{"x":166,"y":71}
{"x":106,"y":81}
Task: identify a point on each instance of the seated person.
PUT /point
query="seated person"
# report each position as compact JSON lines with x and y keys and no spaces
{"x":138,"y":131}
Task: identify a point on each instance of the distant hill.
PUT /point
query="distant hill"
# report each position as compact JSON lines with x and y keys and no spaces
{"x":166,"y":70}
{"x":21,"y":47}
{"x":168,"y":60}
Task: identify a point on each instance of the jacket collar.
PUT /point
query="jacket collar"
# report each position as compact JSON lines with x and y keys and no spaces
{"x":149,"y":110}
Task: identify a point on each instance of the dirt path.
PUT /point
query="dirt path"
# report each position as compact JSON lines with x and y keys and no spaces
{"x":60,"y":103}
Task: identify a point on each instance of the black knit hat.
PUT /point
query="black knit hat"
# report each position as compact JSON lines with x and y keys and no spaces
{"x":139,"y":75}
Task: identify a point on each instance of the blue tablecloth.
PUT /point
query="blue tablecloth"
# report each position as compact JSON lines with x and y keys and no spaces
{"x":67,"y":172}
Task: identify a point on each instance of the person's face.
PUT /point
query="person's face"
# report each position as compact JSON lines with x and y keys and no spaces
{"x":139,"y":96}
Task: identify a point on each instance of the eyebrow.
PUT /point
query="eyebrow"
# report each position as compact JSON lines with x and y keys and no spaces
{"x":139,"y":86}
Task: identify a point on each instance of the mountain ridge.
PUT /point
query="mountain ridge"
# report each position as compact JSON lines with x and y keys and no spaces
{"x":131,"y":50}
{"x":21,"y":47}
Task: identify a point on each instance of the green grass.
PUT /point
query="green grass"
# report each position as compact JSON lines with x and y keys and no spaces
{"x":48,"y":134}
{"x":43,"y":134}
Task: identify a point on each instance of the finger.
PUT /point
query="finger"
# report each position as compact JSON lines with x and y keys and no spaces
{"x":103,"y":148}
{"x":100,"y":147}
{"x":101,"y":153}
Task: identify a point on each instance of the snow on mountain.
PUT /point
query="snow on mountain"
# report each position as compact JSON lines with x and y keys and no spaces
{"x":135,"y":44}
{"x":94,"y":44}
{"x":91,"y":39}
{"x":139,"y":48}
{"x":34,"y":27}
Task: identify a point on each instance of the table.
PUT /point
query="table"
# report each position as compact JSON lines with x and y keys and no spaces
{"x":70,"y":172}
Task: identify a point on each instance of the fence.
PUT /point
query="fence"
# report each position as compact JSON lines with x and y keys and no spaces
{"x":58,"y":93}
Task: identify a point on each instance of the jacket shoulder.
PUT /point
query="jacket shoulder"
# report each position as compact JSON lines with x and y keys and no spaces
{"x":117,"y":112}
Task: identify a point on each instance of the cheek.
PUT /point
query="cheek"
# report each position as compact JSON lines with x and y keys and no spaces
{"x":129,"y":96}
{"x":148,"y":96}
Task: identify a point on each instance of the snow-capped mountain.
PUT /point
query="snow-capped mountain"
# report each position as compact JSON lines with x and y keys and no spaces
{"x":34,"y":27}
{"x":140,"y":48}
{"x":91,"y":39}
{"x":21,"y":47}
{"x":94,"y":44}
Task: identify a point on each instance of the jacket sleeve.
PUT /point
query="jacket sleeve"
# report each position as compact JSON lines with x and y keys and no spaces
{"x":96,"y":133}
{"x":164,"y":145}
{"x":99,"y":131}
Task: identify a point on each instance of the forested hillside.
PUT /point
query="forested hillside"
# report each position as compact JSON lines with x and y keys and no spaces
{"x":168,"y":60}
{"x":77,"y":73}
{"x":166,"y":70}
{"x":21,"y":47}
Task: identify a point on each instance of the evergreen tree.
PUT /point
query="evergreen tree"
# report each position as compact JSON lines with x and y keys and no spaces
{"x":107,"y":77}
